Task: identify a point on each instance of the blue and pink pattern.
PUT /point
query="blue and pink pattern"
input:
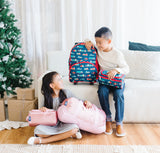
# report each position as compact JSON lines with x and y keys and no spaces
{"x":117,"y":81}
{"x":83,"y":64}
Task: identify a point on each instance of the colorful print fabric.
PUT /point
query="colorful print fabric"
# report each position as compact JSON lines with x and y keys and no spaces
{"x":117,"y":81}
{"x":83,"y":64}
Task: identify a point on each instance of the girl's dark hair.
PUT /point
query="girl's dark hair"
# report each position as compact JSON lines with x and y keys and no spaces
{"x":47,"y":91}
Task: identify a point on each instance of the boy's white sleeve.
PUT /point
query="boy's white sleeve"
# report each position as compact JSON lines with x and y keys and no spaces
{"x":123,"y":67}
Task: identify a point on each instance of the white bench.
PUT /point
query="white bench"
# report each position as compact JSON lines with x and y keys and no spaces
{"x":142,"y":97}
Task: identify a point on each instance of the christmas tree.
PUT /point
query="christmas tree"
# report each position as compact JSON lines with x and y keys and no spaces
{"x":13,"y":68}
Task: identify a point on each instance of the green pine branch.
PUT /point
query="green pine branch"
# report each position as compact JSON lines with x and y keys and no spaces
{"x":13,"y":69}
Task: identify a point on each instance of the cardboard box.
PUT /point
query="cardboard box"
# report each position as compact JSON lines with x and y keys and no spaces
{"x":2,"y":111}
{"x":18,"y":109}
{"x":26,"y":93}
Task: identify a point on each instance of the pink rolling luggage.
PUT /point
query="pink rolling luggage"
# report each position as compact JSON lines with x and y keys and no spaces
{"x":37,"y":117}
{"x":91,"y":120}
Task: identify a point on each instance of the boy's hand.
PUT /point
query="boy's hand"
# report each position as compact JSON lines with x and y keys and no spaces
{"x":43,"y":109}
{"x":89,"y":45}
{"x":87,"y":104}
{"x":112,"y":73}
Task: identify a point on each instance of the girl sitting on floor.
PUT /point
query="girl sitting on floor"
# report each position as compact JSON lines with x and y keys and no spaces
{"x":54,"y":95}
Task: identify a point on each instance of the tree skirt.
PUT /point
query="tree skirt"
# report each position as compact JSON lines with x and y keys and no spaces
{"x":19,"y":148}
{"x":12,"y":124}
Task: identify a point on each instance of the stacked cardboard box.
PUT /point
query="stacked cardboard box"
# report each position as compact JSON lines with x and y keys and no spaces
{"x":26,"y":93}
{"x":19,"y":107}
{"x":2,"y":110}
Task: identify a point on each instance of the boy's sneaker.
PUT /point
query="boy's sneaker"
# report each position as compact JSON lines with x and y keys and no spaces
{"x":109,"y":129}
{"x":78,"y":135}
{"x":120,"y":132}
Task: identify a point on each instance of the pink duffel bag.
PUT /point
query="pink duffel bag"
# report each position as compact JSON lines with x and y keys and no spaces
{"x":37,"y":117}
{"x":91,"y":120}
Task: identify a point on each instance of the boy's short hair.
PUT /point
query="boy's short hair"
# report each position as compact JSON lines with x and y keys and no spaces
{"x":104,"y":32}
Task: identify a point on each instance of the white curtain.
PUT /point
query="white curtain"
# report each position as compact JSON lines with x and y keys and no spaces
{"x":49,"y":25}
{"x":40,"y":32}
{"x":142,"y":22}
{"x":82,"y":18}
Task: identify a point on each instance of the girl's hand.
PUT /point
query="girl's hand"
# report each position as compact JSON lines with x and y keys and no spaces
{"x":43,"y":109}
{"x":112,"y":73}
{"x":87,"y":104}
{"x":88,"y":45}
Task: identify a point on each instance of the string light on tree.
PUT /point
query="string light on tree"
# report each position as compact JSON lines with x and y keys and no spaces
{"x":13,"y":69}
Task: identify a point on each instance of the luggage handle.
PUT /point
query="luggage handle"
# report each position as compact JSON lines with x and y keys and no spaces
{"x":37,"y":110}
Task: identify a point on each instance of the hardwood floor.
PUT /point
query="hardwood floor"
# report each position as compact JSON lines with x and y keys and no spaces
{"x":137,"y":134}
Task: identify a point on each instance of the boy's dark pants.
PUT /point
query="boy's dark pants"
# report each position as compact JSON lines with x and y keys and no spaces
{"x":118,"y":97}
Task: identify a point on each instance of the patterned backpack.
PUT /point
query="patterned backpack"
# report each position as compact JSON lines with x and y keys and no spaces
{"x":83,"y":64}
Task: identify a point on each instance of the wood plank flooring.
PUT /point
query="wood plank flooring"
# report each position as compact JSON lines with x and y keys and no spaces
{"x":137,"y":134}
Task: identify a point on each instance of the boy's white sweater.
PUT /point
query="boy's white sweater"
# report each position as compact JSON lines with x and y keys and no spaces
{"x":113,"y":59}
